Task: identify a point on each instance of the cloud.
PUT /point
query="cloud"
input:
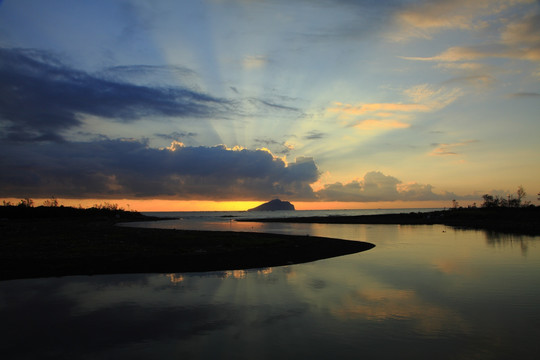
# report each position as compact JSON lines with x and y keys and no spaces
{"x":276,"y":147}
{"x":514,"y":34}
{"x":314,"y":135}
{"x":449,"y":149}
{"x":468,"y":53}
{"x":40,"y":97}
{"x":428,"y":17}
{"x":463,"y":66}
{"x":371,"y":124}
{"x":423,"y":19}
{"x":478,"y":81}
{"x":251,"y":107}
{"x":375,"y":186}
{"x":374,"y":116}
{"x":519,"y":38}
{"x":347,"y":110}
{"x":423,"y":98}
{"x":433,"y":98}
{"x":523,"y":31}
{"x":266,"y":141}
{"x":129,"y":169}
{"x":274,"y":106}
{"x":525,"y":95}
{"x":177,"y":136}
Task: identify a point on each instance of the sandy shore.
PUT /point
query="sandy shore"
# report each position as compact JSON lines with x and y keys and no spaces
{"x":57,"y":247}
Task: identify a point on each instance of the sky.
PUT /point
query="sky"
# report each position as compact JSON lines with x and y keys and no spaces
{"x":224,"y":104}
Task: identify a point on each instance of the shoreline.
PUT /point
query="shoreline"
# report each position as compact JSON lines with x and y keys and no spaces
{"x":45,"y":242}
{"x":523,"y":221}
{"x":37,"y":248}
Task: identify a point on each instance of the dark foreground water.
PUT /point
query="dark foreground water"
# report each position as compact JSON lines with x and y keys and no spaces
{"x":422,"y":292}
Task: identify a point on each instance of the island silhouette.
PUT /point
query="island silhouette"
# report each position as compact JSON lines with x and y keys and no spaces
{"x":274,"y":205}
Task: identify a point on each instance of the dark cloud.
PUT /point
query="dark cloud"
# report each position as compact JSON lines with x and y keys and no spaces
{"x":277,"y":147}
{"x":266,"y":142}
{"x":40,"y":97}
{"x":314,"y":135}
{"x":176,"y":135}
{"x":379,"y":187}
{"x":268,"y":105}
{"x":128,"y":168}
{"x":278,"y":106}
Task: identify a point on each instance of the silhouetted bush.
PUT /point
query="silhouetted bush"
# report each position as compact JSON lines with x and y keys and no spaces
{"x":491,"y":201}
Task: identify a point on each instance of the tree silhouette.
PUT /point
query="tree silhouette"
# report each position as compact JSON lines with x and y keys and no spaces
{"x":52,"y":202}
{"x":510,"y":201}
{"x":26,"y":202}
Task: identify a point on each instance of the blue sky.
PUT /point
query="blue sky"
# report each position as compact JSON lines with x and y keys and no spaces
{"x":318,"y":101}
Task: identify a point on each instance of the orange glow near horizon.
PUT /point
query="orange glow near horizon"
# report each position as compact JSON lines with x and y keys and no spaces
{"x":149,"y":205}
{"x":145,"y":205}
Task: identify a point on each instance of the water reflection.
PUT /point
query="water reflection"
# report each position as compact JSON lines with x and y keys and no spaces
{"x":175,"y":278}
{"x":402,"y":305}
{"x":501,"y":240}
{"x":424,"y":291}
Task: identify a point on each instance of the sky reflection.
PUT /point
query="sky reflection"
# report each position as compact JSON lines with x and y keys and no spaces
{"x":420,"y":292}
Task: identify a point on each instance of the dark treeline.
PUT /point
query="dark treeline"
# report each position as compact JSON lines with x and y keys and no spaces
{"x":491,"y":201}
{"x":498,"y":201}
{"x":51,"y":209}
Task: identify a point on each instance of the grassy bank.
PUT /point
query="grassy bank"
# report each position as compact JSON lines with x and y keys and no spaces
{"x":45,"y":242}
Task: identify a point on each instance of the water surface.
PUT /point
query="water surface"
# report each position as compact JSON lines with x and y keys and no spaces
{"x":422,"y":292}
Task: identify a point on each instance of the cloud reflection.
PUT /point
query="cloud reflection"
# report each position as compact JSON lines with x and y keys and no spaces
{"x":383,"y":304}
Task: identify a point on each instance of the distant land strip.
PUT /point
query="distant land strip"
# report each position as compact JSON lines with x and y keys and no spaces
{"x":45,"y":246}
{"x":524,"y":220}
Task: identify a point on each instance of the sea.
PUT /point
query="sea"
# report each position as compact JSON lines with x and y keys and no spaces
{"x":423,"y":292}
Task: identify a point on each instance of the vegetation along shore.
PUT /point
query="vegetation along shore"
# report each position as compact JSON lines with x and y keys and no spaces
{"x":507,"y":215}
{"x":518,"y":221}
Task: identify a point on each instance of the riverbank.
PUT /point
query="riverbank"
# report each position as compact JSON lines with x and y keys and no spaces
{"x":525,"y":220}
{"x":49,"y":246}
